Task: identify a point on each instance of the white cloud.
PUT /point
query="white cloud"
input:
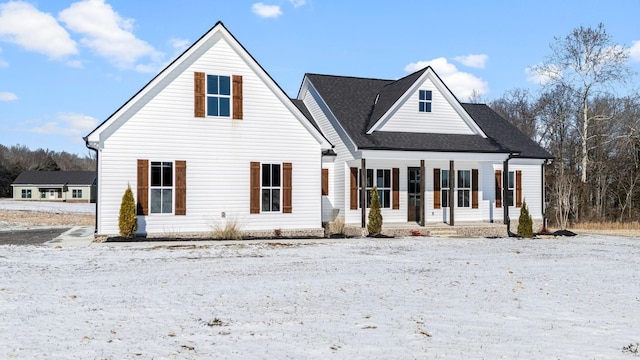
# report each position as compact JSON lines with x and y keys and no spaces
{"x":70,"y":124}
{"x":473,"y":60}
{"x":3,"y":63}
{"x":22,"y":24}
{"x":297,"y":3}
{"x":179,"y":45}
{"x":266,"y":11}
{"x":634,"y":51}
{"x":462,"y":84}
{"x":8,"y":96}
{"x":542,"y":75}
{"x":108,"y":34}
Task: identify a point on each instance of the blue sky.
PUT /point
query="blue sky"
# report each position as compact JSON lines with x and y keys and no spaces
{"x":65,"y":66}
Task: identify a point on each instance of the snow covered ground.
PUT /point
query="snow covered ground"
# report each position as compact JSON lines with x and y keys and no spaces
{"x":569,"y":298}
{"x":46,"y":206}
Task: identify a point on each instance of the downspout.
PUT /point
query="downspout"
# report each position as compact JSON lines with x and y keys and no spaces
{"x":95,"y":226}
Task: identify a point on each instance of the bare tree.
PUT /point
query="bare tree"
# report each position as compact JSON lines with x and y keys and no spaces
{"x":586,"y":62}
{"x":518,"y":106}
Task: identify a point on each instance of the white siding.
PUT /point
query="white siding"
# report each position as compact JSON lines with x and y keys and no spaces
{"x":218,"y":152}
{"x":531,"y":189}
{"x":343,"y":148}
{"x":442,"y":119}
{"x":329,"y":210}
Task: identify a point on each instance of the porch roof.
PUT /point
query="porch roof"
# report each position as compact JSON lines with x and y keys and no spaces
{"x":353,"y":102}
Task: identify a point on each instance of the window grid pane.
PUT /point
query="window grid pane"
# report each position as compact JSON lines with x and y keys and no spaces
{"x":218,"y":95}
{"x":271,"y":180}
{"x":382,"y":181}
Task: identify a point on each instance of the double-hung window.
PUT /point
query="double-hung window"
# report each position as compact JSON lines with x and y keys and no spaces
{"x":511,"y":189}
{"x":381,"y":179}
{"x":76,"y":194}
{"x":444,"y":187}
{"x":26,"y":193}
{"x":161,"y":187}
{"x":218,"y":95}
{"x":464,"y":188}
{"x":271,"y":187}
{"x":424,"y":103}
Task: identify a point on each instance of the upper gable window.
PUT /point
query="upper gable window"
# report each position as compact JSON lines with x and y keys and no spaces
{"x":424,"y":105}
{"x":218,"y":95}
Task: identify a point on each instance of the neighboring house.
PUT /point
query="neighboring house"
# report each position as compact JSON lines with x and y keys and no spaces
{"x":69,"y":186}
{"x":213,"y":138}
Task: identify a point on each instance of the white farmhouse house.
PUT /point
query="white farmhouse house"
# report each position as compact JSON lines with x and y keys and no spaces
{"x":212,"y":138}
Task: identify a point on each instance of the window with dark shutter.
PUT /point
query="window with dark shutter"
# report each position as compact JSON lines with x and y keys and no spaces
{"x":143,"y":187}
{"x":237,"y":97}
{"x":436,"y":188}
{"x":518,"y":188}
{"x":254,"y":206}
{"x":287,"y":188}
{"x":325,"y":182}
{"x":395,"y":188}
{"x":474,"y":188}
{"x":181,"y":187}
{"x":353,"y":188}
{"x":498,"y":188}
{"x":199,"y":94}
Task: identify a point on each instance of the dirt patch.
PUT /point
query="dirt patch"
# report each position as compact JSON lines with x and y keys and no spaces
{"x":25,"y":219}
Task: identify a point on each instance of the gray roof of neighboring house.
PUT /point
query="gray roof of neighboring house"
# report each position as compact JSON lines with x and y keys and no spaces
{"x":353,"y":101}
{"x":56,"y":178}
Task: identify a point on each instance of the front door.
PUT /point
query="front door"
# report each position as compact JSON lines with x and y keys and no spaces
{"x":414,"y":192}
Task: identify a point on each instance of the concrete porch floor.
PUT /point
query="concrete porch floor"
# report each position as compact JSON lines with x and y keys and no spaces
{"x":460,"y":229}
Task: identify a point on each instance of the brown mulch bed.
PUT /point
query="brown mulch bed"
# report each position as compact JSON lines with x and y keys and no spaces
{"x":22,"y":218}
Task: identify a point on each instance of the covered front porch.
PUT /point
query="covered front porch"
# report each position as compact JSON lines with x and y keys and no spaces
{"x":424,"y":189}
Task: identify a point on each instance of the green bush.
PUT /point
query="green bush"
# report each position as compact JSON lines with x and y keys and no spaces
{"x":375,"y":217}
{"x":525,"y":223}
{"x":127,"y":221}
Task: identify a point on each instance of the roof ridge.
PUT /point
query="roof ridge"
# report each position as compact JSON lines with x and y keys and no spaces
{"x":349,"y":77}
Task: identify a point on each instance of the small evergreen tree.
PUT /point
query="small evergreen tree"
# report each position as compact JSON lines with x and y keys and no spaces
{"x":525,"y":223}
{"x":127,"y":221}
{"x":375,"y":217}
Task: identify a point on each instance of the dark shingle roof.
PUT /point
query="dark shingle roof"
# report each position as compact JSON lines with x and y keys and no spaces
{"x":56,"y":178}
{"x":353,"y":101}
{"x":303,"y":108}
{"x":505,"y":133}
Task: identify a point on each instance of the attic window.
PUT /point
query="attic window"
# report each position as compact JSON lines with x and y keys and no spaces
{"x":218,"y":95}
{"x":424,"y":105}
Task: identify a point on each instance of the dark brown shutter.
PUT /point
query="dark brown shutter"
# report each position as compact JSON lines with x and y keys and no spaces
{"x":198,"y":95}
{"x":498,"y":188}
{"x":254,"y":201}
{"x":325,"y":182}
{"x":237,"y":97}
{"x":286,"y":188}
{"x":181,"y":187}
{"x":395,"y":189}
{"x":474,"y":188}
{"x":436,"y":188}
{"x":143,"y":187}
{"x":518,"y":188}
{"x":353,"y":193}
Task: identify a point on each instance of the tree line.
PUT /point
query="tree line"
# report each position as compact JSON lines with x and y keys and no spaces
{"x":592,"y":131}
{"x":18,"y":158}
